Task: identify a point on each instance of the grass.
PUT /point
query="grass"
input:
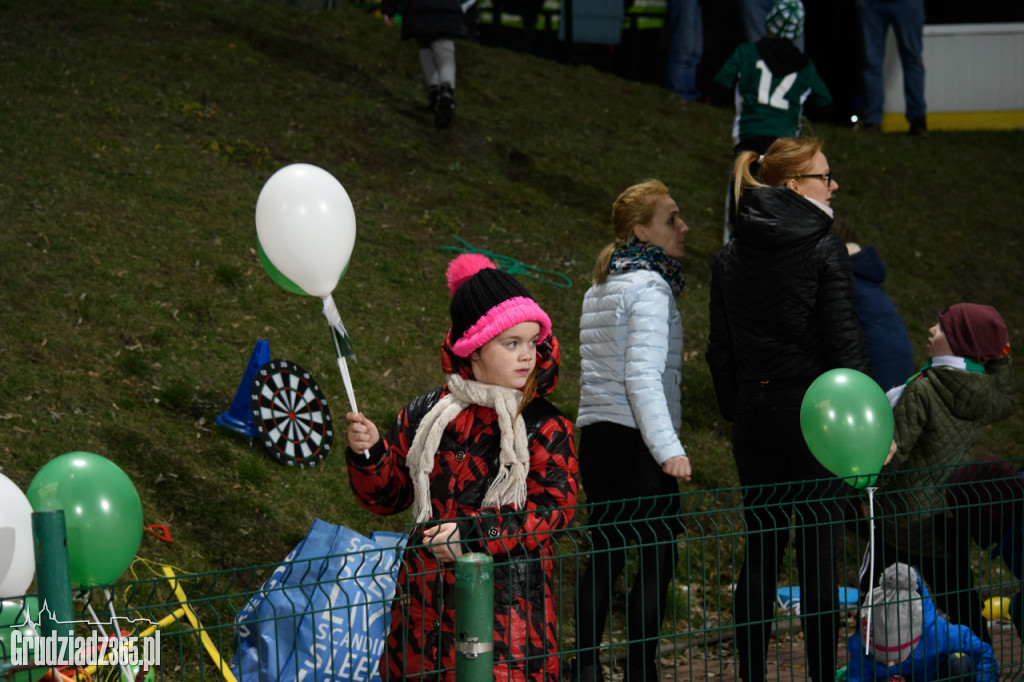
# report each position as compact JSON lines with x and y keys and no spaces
{"x":137,"y":136}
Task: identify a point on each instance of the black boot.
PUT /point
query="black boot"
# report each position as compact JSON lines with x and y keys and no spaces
{"x":445,"y":107}
{"x":588,"y":673}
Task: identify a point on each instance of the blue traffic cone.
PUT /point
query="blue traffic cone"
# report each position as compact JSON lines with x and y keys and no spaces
{"x":239,"y":417}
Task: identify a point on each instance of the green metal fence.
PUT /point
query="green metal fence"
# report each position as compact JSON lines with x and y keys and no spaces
{"x":315,"y":607}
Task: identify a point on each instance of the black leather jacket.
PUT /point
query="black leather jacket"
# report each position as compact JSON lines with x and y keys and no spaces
{"x":783,"y":308}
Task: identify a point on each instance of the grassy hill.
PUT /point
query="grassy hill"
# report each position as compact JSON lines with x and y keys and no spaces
{"x":136,"y":137}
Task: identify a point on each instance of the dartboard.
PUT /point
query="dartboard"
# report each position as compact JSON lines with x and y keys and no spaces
{"x":291,"y":415}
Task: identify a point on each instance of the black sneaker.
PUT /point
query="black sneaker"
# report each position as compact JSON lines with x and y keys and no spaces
{"x":918,"y":127}
{"x":871,"y":128}
{"x":432,"y":99}
{"x":445,"y":107}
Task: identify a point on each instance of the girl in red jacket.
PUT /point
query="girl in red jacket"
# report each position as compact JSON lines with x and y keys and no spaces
{"x":487,"y":465}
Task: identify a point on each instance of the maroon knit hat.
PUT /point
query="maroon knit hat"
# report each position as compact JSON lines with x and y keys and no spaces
{"x":975,"y":331}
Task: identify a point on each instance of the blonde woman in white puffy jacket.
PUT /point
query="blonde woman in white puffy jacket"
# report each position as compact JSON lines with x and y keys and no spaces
{"x":631,"y":352}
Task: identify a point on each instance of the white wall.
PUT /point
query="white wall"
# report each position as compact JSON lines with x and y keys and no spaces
{"x":968,"y":68}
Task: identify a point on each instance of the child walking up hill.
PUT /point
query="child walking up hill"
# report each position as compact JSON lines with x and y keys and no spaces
{"x":434,"y":24}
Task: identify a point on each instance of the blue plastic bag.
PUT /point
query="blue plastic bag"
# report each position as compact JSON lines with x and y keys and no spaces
{"x":788,"y":599}
{"x":324,"y":612}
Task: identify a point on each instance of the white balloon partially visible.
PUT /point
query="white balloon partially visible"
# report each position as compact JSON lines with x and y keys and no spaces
{"x":306,"y":226}
{"x":17,"y":551}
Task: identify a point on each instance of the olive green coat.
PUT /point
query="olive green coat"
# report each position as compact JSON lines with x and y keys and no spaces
{"x":939,"y":418}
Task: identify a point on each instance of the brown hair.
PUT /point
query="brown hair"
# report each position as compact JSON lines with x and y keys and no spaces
{"x":635,"y":206}
{"x":529,"y":392}
{"x":785,"y":158}
{"x":844,"y":230}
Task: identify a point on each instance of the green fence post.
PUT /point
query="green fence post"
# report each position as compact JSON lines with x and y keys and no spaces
{"x":474,"y":618}
{"x":53,"y":574}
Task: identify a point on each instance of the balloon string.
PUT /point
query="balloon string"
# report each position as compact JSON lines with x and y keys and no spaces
{"x":332,"y":315}
{"x":867,"y":565}
{"x":152,"y":566}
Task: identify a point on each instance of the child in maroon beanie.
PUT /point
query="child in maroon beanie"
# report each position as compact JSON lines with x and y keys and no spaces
{"x":940,"y":413}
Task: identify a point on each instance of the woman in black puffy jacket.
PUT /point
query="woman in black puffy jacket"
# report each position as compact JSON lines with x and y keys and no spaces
{"x":783,"y":311}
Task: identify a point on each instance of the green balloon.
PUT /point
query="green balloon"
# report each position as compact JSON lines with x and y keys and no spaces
{"x":275,"y":274}
{"x":20,"y":617}
{"x":102,"y":512}
{"x":847,"y":423}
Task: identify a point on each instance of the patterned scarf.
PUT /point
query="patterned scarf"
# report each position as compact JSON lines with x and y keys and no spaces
{"x":634,"y":254}
{"x":509,"y":487}
{"x":955,"y":361}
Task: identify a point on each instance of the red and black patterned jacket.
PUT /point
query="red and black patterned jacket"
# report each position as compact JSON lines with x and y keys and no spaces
{"x":422,"y":637}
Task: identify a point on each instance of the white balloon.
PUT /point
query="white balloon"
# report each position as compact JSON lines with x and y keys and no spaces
{"x":306,"y":226}
{"x":17,"y":551}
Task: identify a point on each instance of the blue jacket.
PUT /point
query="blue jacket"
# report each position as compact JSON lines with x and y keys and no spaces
{"x":939,"y":640}
{"x":885,"y":336}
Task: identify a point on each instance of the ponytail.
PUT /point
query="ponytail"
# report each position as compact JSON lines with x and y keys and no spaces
{"x":741,"y":170}
{"x":601,"y":266}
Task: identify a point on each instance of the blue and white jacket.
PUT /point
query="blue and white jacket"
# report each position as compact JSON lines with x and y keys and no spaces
{"x":631,"y":357}
{"x":940,"y":639}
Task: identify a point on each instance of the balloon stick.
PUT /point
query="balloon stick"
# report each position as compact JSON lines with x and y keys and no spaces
{"x":343,"y":349}
{"x":343,"y":366}
{"x":115,"y":638}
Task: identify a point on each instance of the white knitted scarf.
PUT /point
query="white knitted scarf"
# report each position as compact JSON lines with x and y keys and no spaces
{"x":509,"y":487}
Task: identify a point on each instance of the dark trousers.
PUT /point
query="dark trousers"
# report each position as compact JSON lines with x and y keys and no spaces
{"x":630,"y":500}
{"x":1017,"y":613}
{"x":781,"y":480}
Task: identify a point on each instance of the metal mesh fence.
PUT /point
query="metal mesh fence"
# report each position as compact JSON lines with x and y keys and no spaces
{"x":745,"y":582}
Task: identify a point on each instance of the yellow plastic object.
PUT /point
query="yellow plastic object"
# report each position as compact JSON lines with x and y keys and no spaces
{"x":996,"y":608}
{"x":208,"y":644}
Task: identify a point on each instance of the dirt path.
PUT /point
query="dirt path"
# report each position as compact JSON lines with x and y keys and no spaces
{"x":718,"y":660}
{"x":787,"y":664}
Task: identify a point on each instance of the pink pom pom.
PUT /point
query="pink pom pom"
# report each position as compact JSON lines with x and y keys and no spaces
{"x":462,"y":267}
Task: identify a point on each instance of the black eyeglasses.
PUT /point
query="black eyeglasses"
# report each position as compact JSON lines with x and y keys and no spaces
{"x":824,"y":177}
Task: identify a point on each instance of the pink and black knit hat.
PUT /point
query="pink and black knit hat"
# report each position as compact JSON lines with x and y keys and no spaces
{"x":486,"y":302}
